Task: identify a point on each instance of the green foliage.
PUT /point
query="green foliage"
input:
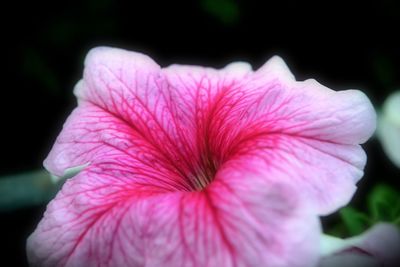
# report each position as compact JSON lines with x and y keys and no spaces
{"x":383,"y":206}
{"x":384,"y":70}
{"x":354,"y":221}
{"x":37,"y":67}
{"x":26,"y":189}
{"x":225,"y":10}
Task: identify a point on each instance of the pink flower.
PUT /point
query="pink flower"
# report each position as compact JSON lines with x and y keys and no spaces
{"x":192,"y":166}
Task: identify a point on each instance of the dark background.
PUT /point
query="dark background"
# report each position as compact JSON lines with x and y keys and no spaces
{"x":341,"y":44}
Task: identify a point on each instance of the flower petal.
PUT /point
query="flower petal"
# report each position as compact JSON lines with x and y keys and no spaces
{"x":389,"y":128}
{"x":379,"y":246}
{"x":94,"y":222}
{"x":314,"y":134}
{"x":107,"y":144}
{"x":276,"y":67}
{"x":309,"y":132}
{"x":383,"y":242}
{"x":389,"y":136}
{"x":124,"y":116}
{"x":191,"y":166}
{"x":110,"y":78}
{"x":391,"y":108}
{"x":349,"y":260}
{"x":314,"y":110}
{"x":202,"y":111}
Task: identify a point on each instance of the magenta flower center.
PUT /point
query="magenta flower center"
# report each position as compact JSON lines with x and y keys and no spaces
{"x":195,"y":166}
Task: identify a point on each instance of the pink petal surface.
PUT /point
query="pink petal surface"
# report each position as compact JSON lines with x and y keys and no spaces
{"x":190,"y":166}
{"x":307,"y":131}
{"x":235,"y":224}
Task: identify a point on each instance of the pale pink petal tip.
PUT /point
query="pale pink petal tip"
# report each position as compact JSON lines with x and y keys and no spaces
{"x":239,"y":67}
{"x":276,"y":65}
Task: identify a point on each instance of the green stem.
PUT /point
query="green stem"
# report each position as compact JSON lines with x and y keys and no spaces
{"x":27,"y":189}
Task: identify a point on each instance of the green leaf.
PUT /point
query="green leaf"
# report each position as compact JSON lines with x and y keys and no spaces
{"x":37,"y":67}
{"x":338,"y":230}
{"x":384,"y":70}
{"x":355,"y":221}
{"x":397,"y":222}
{"x":384,"y":203}
{"x":227,"y":11}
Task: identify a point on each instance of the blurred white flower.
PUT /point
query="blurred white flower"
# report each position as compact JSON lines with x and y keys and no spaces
{"x":389,"y":127}
{"x":377,"y":247}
